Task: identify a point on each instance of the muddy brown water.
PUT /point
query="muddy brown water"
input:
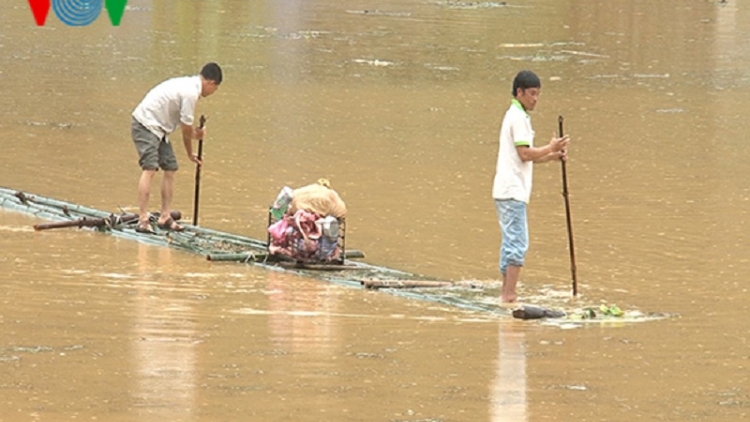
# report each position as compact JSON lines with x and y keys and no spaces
{"x":398,"y":103}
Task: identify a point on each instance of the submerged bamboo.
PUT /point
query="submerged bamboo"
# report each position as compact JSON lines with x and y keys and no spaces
{"x":317,"y":266}
{"x":236,"y":257}
{"x":404,"y":284}
{"x":255,"y":257}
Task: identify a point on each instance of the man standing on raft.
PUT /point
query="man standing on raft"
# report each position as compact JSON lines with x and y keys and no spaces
{"x":169,"y":105}
{"x":512,"y":186}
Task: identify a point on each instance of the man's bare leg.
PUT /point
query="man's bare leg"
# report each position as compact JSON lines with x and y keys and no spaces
{"x":144,"y":192}
{"x":167,"y":193}
{"x":510,"y":280}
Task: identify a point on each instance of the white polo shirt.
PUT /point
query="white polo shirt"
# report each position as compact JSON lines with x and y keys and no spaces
{"x":168,"y":104}
{"x":513,"y":176}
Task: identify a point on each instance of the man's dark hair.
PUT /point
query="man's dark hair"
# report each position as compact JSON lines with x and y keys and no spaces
{"x":212,"y":72}
{"x":525,"y":79}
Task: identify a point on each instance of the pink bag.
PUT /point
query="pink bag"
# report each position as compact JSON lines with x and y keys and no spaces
{"x":278,"y":231}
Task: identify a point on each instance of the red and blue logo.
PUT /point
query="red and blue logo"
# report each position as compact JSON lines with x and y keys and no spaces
{"x":77,"y":12}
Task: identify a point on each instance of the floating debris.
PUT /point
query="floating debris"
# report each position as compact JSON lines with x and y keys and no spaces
{"x":375,"y":62}
{"x":521,"y":45}
{"x":379,"y":13}
{"x":366,"y":355}
{"x":580,"y":319}
{"x":612,"y":310}
{"x":472,"y":5}
{"x":602,"y":310}
{"x":536,"y":58}
{"x":32,"y":350}
{"x":604,"y":76}
{"x":271,"y":32}
{"x":649,"y":75}
{"x":411,"y":412}
{"x":54,"y":125}
{"x":304,"y":35}
{"x":583,"y":53}
{"x":442,"y":68}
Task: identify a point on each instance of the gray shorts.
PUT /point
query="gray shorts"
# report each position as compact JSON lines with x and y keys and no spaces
{"x":153,"y":153}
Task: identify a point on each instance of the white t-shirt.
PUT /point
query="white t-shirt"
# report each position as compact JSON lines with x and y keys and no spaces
{"x":513,"y":176}
{"x":168,"y":104}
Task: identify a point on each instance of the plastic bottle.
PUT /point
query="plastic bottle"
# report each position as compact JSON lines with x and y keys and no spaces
{"x":281,"y":204}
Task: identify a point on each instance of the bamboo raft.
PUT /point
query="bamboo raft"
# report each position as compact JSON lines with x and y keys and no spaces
{"x":219,"y":246}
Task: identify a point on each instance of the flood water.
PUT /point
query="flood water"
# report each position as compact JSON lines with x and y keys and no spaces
{"x":399,"y":104}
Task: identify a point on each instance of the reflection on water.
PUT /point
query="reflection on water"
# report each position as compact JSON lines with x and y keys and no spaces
{"x":508,"y":403}
{"x":164,"y":339}
{"x":302,"y":317}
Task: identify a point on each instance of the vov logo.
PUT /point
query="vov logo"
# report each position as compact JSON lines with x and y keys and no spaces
{"x":77,"y":12}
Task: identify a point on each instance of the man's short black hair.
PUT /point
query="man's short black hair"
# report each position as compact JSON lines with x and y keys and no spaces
{"x":212,"y":72}
{"x":525,"y":79}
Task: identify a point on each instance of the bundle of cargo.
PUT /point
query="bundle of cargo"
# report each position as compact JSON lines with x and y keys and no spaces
{"x":308,"y":224}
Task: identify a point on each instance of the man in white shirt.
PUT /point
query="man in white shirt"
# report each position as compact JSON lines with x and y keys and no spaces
{"x":512,"y":186}
{"x":168,"y":106}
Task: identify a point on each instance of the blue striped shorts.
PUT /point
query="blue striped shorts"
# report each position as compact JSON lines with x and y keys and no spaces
{"x":515,"y":231}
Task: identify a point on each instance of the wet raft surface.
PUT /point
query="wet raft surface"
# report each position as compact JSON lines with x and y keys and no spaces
{"x":227,"y":247}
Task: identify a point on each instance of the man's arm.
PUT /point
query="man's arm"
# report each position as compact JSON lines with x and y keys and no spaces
{"x":188,"y":132}
{"x":554,"y":156}
{"x":554,"y":150}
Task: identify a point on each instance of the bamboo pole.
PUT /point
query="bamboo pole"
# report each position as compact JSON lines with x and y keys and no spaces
{"x":198,"y":175}
{"x":568,"y":219}
{"x":111,"y":221}
{"x":80,"y":222}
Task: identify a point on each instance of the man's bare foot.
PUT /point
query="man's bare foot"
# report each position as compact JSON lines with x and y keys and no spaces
{"x":508,"y":298}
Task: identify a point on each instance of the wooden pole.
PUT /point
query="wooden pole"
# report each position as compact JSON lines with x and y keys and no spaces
{"x":198,"y":174}
{"x":567,"y":217}
{"x":81,"y":222}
